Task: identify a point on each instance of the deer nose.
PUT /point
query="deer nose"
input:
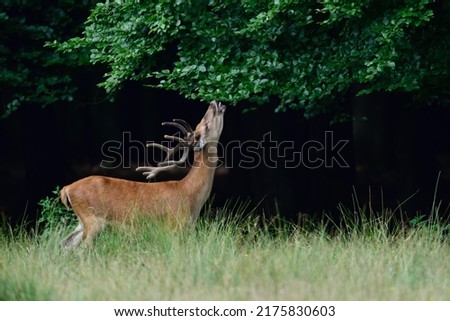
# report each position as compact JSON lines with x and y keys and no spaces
{"x":214,"y":105}
{"x":217,"y":107}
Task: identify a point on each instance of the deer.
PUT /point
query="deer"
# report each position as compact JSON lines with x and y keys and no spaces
{"x":100,"y":200}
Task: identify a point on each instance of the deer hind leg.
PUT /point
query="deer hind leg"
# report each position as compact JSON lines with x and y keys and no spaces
{"x":88,"y":228}
{"x":93,"y":225}
{"x":74,"y":238}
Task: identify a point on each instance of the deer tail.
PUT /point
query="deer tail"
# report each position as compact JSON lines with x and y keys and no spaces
{"x":65,"y":199}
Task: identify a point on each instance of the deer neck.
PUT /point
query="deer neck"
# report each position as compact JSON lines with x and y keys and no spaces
{"x":198,"y":182}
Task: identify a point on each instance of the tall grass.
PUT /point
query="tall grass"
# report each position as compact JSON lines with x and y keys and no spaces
{"x":233,"y":254}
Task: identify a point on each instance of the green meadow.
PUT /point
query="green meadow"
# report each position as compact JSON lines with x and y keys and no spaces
{"x":231,"y":254}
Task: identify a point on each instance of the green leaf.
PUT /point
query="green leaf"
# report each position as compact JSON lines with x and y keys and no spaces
{"x":306,"y":54}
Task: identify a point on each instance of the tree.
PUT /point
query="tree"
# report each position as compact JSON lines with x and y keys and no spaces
{"x":304,"y":54}
{"x":31,"y":73}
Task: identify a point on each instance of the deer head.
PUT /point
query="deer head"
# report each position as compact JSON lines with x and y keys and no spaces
{"x":210,"y":127}
{"x":207,"y":131}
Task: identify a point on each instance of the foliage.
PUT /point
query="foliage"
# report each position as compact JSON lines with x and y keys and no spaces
{"x":306,"y":53}
{"x":54,"y":214}
{"x":29,"y":71}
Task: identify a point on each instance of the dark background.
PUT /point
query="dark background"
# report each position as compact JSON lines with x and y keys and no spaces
{"x":395,"y":149}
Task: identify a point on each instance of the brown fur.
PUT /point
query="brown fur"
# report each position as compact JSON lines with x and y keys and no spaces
{"x":97,"y":200}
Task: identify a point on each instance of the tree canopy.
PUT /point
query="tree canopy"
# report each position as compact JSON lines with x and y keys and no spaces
{"x":304,"y":54}
{"x":30,"y":72}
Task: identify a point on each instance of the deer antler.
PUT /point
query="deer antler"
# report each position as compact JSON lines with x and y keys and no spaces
{"x":185,"y":124}
{"x":169,"y":162}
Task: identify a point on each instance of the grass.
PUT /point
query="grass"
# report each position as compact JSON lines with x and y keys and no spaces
{"x":233,"y":259}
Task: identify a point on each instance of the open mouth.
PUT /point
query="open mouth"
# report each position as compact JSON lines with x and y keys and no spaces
{"x":218,"y":107}
{"x":221,"y":107}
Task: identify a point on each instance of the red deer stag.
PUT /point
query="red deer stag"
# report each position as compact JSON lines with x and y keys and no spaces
{"x":98,"y":200}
